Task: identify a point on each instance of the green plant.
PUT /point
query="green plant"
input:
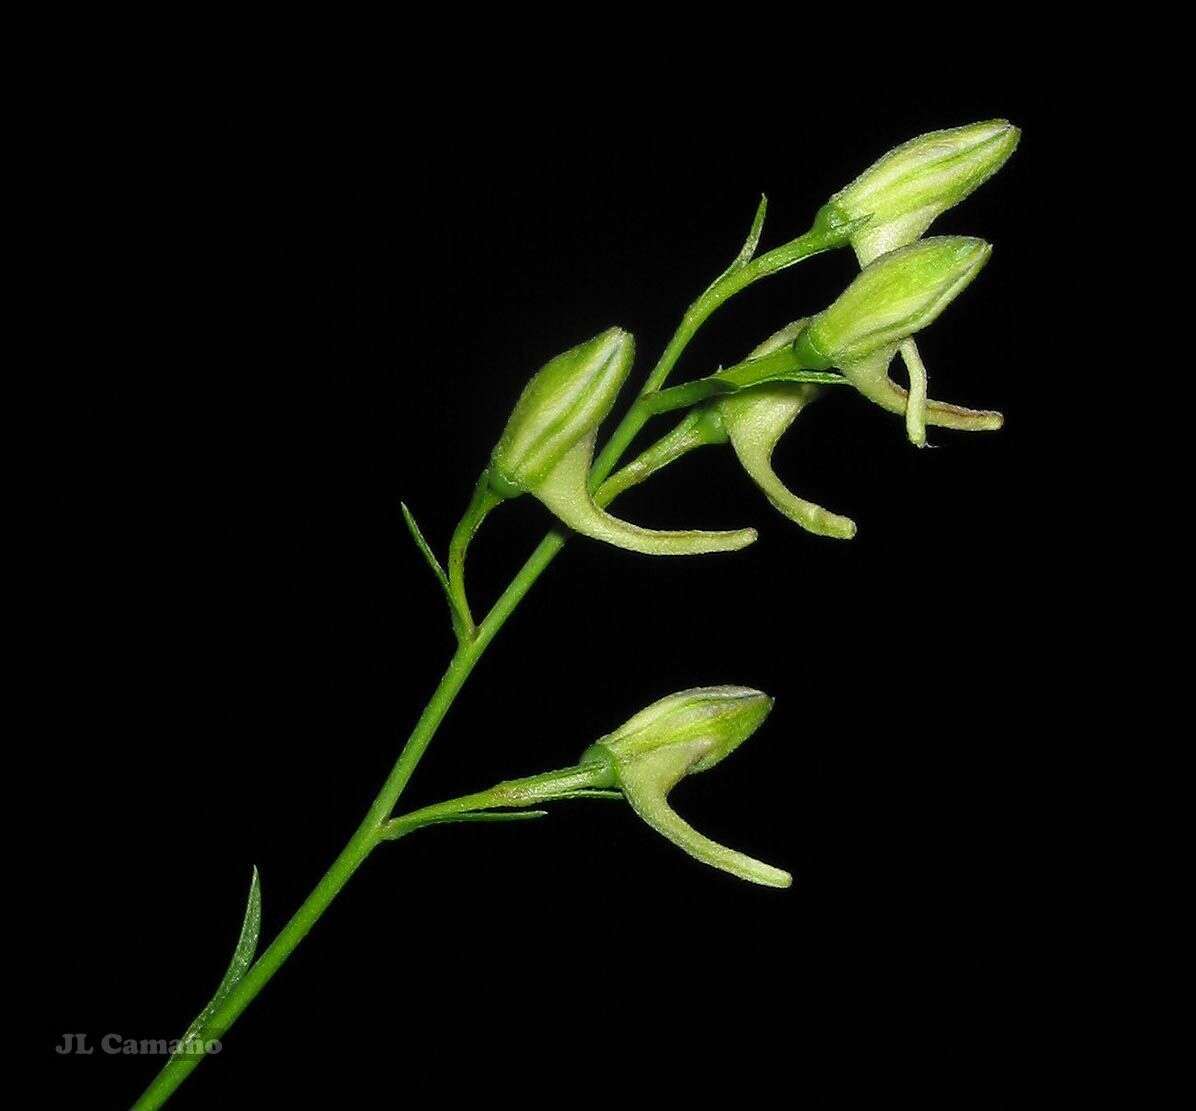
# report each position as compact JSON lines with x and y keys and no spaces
{"x":548,"y":450}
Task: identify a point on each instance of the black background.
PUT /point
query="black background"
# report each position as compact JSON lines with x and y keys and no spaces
{"x":295,"y":317}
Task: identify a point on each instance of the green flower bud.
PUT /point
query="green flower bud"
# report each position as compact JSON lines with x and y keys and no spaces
{"x":682,"y":734}
{"x":548,"y":446}
{"x":918,"y":181}
{"x":756,"y":419}
{"x":563,"y":403}
{"x":894,"y":297}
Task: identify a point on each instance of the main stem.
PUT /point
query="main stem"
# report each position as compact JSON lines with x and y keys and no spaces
{"x":368,"y":835}
{"x":469,"y":651}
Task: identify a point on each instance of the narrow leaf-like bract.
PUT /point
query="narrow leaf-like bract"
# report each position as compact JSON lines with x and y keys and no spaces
{"x":243,"y":955}
{"x":748,"y":250}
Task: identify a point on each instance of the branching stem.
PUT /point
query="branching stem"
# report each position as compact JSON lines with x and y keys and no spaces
{"x":473,"y":642}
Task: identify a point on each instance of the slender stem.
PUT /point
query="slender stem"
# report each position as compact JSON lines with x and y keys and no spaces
{"x":697,"y":428}
{"x":682,"y":397}
{"x":814,"y":241}
{"x":534,"y":789}
{"x":469,"y":651}
{"x":484,"y":499}
{"x":368,"y":835}
{"x":736,"y":378}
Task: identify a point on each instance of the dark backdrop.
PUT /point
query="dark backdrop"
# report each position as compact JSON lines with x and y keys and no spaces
{"x":295,"y":318}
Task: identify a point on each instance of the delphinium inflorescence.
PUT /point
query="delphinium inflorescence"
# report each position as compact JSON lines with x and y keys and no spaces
{"x":549,"y":449}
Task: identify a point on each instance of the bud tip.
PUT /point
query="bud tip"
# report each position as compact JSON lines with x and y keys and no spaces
{"x":616,"y":338}
{"x":971,"y":247}
{"x":1011,"y":133}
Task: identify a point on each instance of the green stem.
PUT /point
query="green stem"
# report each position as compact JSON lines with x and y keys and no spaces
{"x":698,"y":428}
{"x":368,"y":835}
{"x":736,"y":378}
{"x":484,"y":499}
{"x":564,"y":784}
{"x":815,"y":241}
{"x":469,"y":651}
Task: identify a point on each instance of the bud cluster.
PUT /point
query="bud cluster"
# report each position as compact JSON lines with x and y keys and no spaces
{"x":905,"y":192}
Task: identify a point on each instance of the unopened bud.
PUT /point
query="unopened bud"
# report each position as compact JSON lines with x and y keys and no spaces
{"x":548,"y":446}
{"x":894,"y":297}
{"x":564,"y":403}
{"x":717,"y":719}
{"x":682,"y":734}
{"x":907,"y":189}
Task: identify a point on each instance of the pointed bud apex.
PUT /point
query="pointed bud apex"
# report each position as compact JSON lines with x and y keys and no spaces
{"x":548,"y":446}
{"x":682,"y":734}
{"x":894,"y":297}
{"x":916,"y":182}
